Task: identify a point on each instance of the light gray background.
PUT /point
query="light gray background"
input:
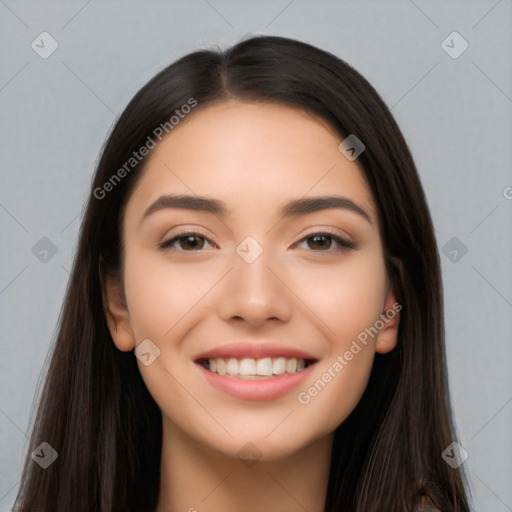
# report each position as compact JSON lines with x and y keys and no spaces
{"x":456,"y":115}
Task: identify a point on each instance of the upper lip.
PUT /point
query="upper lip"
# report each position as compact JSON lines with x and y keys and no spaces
{"x":253,"y":350}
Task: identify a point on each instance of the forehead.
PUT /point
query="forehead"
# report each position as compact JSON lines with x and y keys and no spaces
{"x":249,"y":154}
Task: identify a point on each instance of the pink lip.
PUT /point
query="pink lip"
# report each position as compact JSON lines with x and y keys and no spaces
{"x":262,"y":390}
{"x":255,"y":351}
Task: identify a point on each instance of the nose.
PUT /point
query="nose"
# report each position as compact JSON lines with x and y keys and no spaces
{"x":255,"y":293}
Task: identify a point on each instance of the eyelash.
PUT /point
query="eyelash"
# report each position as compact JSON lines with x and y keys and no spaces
{"x":167,"y":244}
{"x":343,"y":244}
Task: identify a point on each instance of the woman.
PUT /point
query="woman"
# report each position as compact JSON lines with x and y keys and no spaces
{"x":254,"y":317}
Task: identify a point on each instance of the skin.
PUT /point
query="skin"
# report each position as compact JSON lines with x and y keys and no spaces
{"x":254,"y":158}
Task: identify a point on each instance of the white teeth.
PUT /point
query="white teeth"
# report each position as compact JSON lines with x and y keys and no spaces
{"x":264,"y":366}
{"x":221,"y":366}
{"x":232,"y":366}
{"x":291,"y":365}
{"x":248,"y":367}
{"x":279,"y":366}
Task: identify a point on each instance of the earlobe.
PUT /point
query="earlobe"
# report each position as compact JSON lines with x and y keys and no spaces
{"x":387,"y":338}
{"x":116,"y":313}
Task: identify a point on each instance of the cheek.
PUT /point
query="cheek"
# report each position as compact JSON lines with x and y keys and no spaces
{"x":347,"y":298}
{"x":159,"y":294}
{"x":348,"y":302}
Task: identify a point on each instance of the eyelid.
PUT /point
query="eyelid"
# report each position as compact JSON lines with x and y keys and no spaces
{"x":168,"y":241}
{"x":344,"y":241}
{"x":183,"y":228}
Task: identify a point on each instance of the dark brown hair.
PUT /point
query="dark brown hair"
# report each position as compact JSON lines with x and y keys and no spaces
{"x":95,"y":410}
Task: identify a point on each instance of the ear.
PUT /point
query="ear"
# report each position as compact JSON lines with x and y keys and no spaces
{"x":116,"y":313}
{"x":388,"y":336}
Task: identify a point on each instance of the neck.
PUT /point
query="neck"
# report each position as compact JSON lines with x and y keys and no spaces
{"x":198,"y":478}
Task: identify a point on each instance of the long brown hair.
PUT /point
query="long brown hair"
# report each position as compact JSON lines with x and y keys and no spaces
{"x":95,"y":410}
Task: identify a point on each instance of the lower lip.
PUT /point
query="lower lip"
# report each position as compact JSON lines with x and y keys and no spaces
{"x":261,"y":389}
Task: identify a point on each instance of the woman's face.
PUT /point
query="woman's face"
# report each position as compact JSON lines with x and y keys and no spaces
{"x":269,"y":277}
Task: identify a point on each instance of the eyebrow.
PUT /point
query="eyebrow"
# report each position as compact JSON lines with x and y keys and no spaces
{"x":315,"y":204}
{"x":293,"y":208}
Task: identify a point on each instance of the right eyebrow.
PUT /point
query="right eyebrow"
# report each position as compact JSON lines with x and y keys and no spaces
{"x":186,"y":202}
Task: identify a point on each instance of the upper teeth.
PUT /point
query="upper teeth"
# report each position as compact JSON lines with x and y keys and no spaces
{"x":253,"y":367}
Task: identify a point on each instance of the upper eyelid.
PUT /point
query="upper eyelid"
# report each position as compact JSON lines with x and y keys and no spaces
{"x":335,"y":232}
{"x":182,"y":231}
{"x":340,"y":239}
{"x":177,"y":236}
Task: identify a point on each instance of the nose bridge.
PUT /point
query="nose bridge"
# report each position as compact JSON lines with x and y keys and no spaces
{"x":253,"y":291}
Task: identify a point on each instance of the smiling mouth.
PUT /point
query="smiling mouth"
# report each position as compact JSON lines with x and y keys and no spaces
{"x":255,"y":369}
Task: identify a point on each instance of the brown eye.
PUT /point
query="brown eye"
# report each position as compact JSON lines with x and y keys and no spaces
{"x":326,"y":242}
{"x":192,"y":242}
{"x":321,"y":242}
{"x":186,"y":242}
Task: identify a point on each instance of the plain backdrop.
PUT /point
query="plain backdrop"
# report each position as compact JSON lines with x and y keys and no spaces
{"x":453,"y":104}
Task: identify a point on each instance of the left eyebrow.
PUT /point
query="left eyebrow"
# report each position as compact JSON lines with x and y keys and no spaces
{"x":315,"y":204}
